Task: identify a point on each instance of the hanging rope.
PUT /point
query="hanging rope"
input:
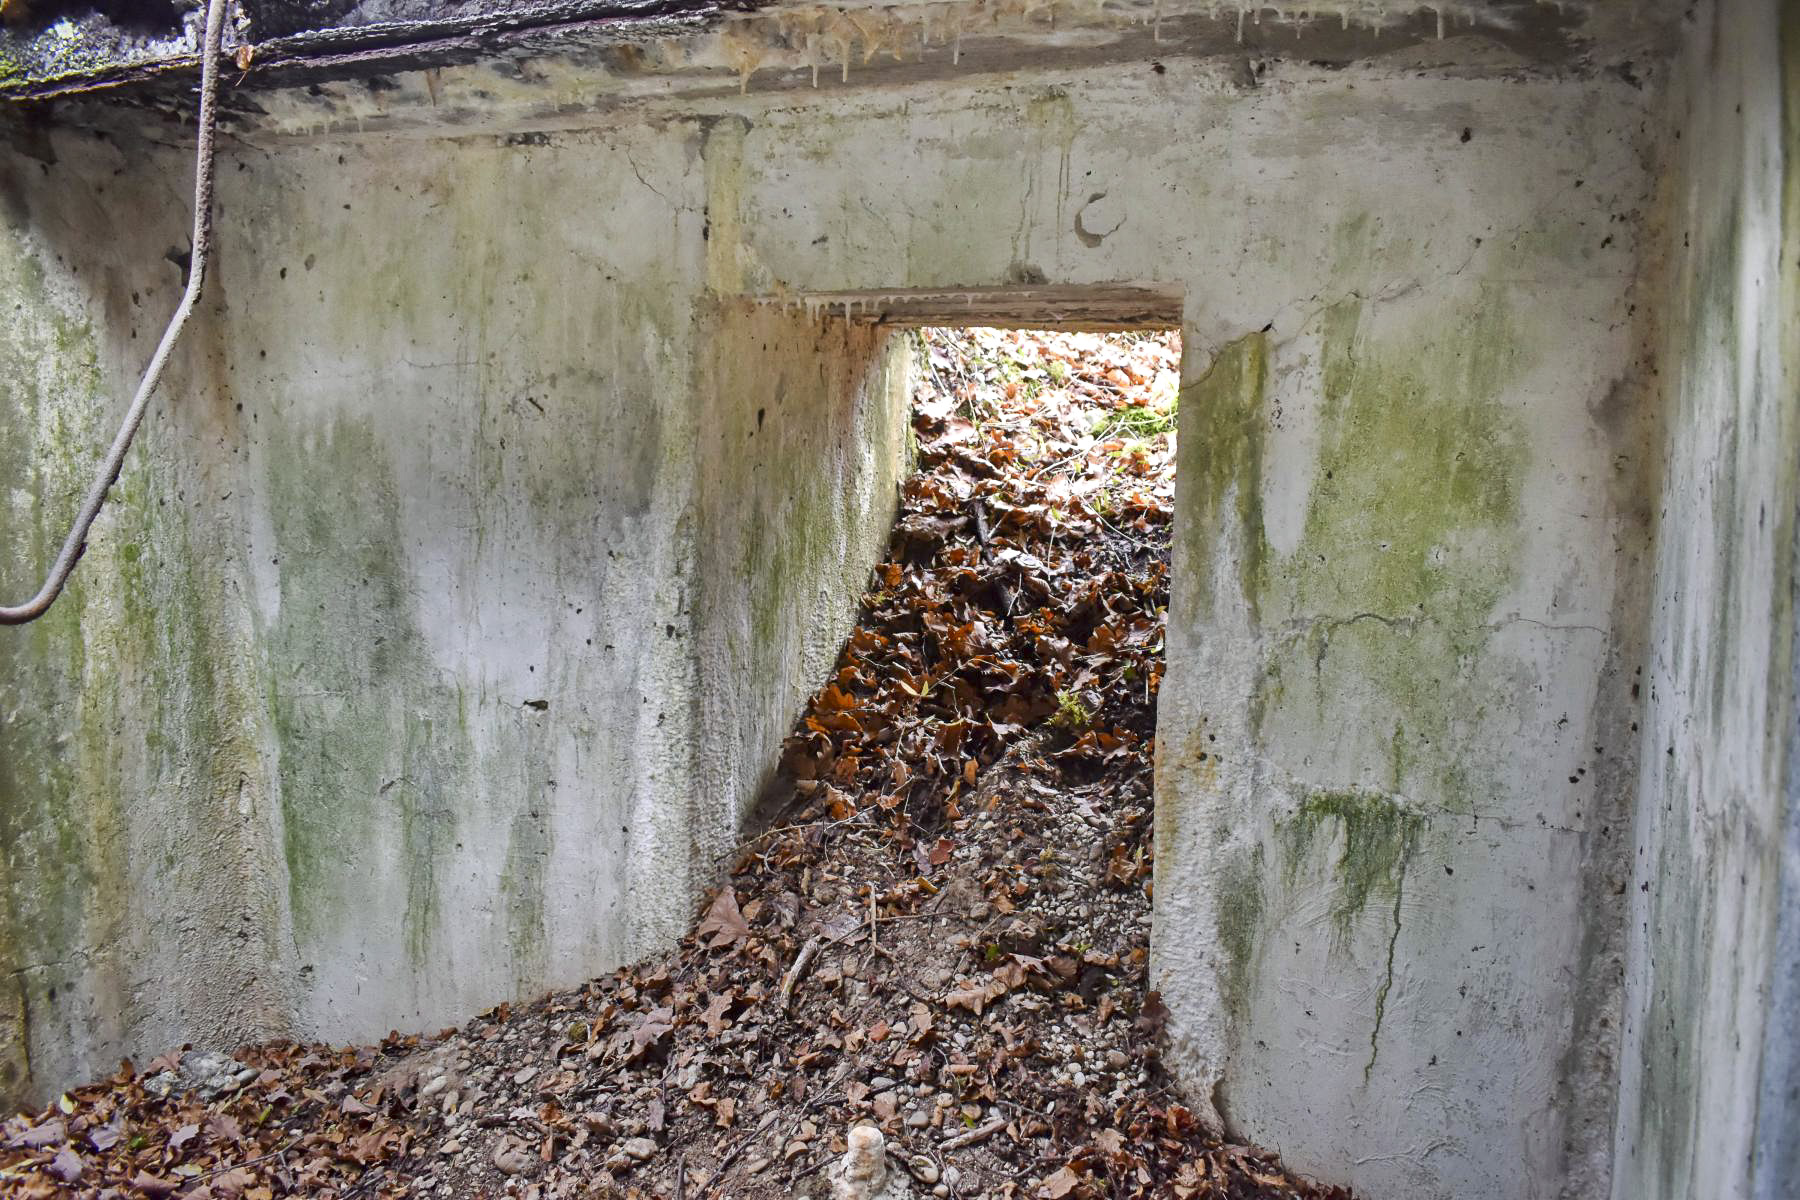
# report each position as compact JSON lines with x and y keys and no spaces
{"x":115,"y":458}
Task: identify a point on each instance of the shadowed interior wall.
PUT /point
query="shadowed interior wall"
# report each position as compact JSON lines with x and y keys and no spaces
{"x":1710,"y":1093}
{"x":817,"y":411}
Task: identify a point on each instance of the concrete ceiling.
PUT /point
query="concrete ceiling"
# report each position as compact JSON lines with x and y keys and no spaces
{"x":365,"y":57}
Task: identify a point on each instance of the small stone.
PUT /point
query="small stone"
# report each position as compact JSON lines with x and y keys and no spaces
{"x":450,"y":1147}
{"x":1117,"y":1059}
{"x":882,"y":1083}
{"x":940,"y":1190}
{"x":640,"y":1148}
{"x":524,"y":1075}
{"x":438,"y":1083}
{"x":924,"y":1170}
{"x":918,"y":1118}
{"x":510,"y":1158}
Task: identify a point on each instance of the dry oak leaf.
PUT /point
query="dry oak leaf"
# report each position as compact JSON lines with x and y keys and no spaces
{"x":975,"y":998}
{"x":650,"y":1029}
{"x":714,"y":1015}
{"x":1058,"y":1185}
{"x":723,"y":921}
{"x":37,"y":1137}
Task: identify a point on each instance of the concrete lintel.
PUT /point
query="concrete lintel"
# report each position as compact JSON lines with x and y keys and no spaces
{"x":1096,"y":307}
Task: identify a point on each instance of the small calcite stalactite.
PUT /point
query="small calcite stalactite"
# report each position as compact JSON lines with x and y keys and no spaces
{"x":862,"y":1173}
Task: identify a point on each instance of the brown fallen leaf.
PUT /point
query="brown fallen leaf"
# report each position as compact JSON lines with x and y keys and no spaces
{"x":650,"y":1029}
{"x":105,"y":1137}
{"x":39,"y":1136}
{"x":714,"y":1014}
{"x":67,"y":1165}
{"x":976,"y":998}
{"x":723,"y":922}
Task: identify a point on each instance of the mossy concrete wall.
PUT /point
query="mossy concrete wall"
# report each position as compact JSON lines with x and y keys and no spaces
{"x":817,"y":412}
{"x":139,"y":895}
{"x":498,"y":467}
{"x":1414,"y":522}
{"x":1710,"y":1083}
{"x":377,"y":699}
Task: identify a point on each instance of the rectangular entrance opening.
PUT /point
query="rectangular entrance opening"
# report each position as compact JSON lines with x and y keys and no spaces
{"x":969,"y":790}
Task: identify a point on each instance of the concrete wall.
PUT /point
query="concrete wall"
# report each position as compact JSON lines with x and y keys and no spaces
{"x":778,"y":559}
{"x":1710,"y":1091}
{"x":138,"y":905}
{"x":1414,"y":535}
{"x":1394,"y":747}
{"x":377,"y":699}
{"x":469,"y":556}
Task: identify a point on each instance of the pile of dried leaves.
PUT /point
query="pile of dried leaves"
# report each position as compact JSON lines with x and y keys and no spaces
{"x":945,"y":931}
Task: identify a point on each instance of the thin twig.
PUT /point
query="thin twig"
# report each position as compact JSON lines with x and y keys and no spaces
{"x":801,"y":962}
{"x":979,"y":1134}
{"x":725,"y":1163}
{"x":276,"y":1153}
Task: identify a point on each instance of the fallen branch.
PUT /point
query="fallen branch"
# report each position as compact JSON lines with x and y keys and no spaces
{"x":801,"y":961}
{"x":981,"y":1134}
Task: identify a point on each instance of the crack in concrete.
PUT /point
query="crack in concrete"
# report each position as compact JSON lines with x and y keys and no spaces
{"x":656,"y":191}
{"x":1516,"y":619}
{"x":1387,"y":982}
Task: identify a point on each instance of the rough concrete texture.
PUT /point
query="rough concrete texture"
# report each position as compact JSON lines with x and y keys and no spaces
{"x":622,"y":45}
{"x":1709,"y":1094}
{"x":381,"y":675}
{"x":816,"y":412}
{"x":485,"y":580}
{"x":135,"y":841}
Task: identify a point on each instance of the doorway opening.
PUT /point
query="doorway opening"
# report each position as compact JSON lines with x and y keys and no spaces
{"x":962,"y":829}
{"x":963,"y":834}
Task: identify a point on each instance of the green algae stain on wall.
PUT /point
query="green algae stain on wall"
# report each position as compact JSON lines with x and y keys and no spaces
{"x":1415,"y":499}
{"x":1380,"y":616}
{"x":368,"y":740}
{"x":1375,"y":838}
{"x":54,"y":841}
{"x":1240,"y":908}
{"x":1220,"y":453}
